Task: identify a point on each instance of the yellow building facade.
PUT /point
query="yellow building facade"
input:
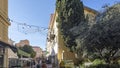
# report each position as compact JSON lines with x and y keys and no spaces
{"x":56,"y":42}
{"x":63,"y":52}
{"x":4,"y":23}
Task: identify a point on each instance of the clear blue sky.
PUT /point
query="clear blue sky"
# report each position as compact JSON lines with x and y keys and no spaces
{"x":37,"y":12}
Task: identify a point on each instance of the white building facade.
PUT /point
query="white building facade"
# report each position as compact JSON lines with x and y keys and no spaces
{"x":52,"y":40}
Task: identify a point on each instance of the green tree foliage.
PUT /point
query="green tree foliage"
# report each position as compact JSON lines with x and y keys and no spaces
{"x":103,"y":39}
{"x":29,"y":50}
{"x":70,"y":14}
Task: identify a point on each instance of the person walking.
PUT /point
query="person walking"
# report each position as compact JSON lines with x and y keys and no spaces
{"x":44,"y":64}
{"x":38,"y":66}
{"x":33,"y":64}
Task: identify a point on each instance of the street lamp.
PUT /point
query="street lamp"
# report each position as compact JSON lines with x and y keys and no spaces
{"x":63,"y":54}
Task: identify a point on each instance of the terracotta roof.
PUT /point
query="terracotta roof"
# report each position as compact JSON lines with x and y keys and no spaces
{"x":90,"y":9}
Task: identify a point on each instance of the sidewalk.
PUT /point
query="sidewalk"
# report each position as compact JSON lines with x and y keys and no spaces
{"x":49,"y":65}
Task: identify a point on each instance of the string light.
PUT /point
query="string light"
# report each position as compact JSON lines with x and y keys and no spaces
{"x":27,"y":29}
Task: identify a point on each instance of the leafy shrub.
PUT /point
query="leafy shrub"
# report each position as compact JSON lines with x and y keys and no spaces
{"x":69,"y":65}
{"x":62,"y":64}
{"x":118,"y":61}
{"x":98,"y":61}
{"x":105,"y":66}
{"x":81,"y":66}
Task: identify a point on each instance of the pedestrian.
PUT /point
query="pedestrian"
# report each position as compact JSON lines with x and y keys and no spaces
{"x":38,"y":65}
{"x":33,"y":64}
{"x":44,"y":64}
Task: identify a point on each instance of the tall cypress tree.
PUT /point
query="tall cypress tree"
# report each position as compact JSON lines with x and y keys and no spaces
{"x":70,"y":14}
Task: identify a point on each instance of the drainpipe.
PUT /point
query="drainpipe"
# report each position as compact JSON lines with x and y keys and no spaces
{"x":63,"y":55}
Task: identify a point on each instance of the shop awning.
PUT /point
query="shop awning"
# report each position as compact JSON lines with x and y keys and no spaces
{"x":3,"y":44}
{"x":11,"y":54}
{"x":22,"y":53}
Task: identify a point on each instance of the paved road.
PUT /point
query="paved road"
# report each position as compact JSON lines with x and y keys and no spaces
{"x":49,"y":65}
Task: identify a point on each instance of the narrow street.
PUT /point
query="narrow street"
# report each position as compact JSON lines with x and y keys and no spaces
{"x":59,"y":34}
{"x":49,"y":65}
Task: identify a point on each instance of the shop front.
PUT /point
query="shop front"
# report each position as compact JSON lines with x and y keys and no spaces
{"x":1,"y":56}
{"x":4,"y":60}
